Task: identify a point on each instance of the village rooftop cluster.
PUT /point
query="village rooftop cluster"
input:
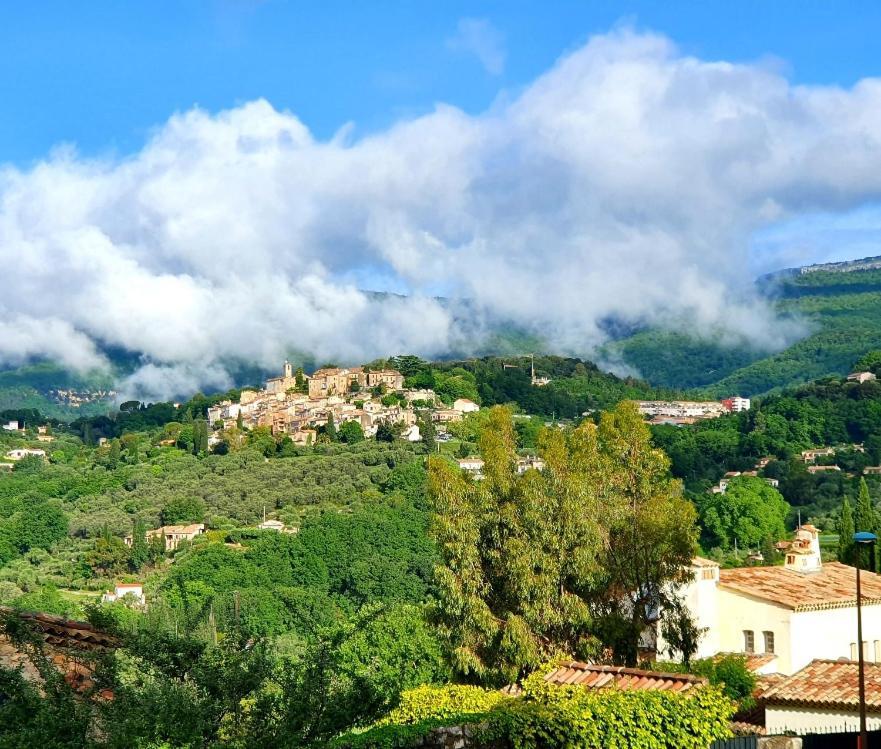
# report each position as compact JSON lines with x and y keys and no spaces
{"x":297,"y":405}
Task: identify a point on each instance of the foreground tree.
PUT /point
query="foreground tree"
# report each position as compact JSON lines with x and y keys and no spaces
{"x":519,"y":552}
{"x":865,"y":518}
{"x":540,"y":564}
{"x":650,"y":531}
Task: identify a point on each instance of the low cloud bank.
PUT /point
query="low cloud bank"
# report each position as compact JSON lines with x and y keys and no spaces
{"x":625,"y":183}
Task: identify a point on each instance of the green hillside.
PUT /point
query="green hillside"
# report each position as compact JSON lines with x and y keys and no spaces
{"x":840,"y":308}
{"x":54,"y":391}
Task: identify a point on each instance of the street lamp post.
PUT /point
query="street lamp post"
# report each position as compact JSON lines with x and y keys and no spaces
{"x":862,"y":538}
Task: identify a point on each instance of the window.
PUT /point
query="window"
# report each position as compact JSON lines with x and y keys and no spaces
{"x":749,"y":641}
{"x":769,"y":641}
{"x":707,"y":573}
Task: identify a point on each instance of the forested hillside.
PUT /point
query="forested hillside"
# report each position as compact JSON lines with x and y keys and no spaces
{"x":830,"y":412}
{"x":841,"y":312}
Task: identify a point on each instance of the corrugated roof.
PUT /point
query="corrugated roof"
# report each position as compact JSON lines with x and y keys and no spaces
{"x":832,"y":586}
{"x":619,"y":677}
{"x":827,"y":684}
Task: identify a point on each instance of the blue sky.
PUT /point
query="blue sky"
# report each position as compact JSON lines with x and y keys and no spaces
{"x":558,"y":164}
{"x":101,"y":74}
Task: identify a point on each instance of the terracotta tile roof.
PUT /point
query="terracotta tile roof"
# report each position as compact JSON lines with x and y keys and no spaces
{"x":752,"y":661}
{"x":742,"y":728}
{"x":703,"y":562}
{"x":619,"y":677}
{"x":65,"y":633}
{"x":832,"y":586}
{"x":827,"y":684}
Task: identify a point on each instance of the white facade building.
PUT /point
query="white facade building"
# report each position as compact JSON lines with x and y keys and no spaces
{"x":799,"y":612}
{"x":133,"y":592}
{"x":465,"y":406}
{"x":24,"y":452}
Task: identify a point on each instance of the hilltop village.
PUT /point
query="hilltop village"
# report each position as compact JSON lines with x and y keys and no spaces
{"x":298,"y":405}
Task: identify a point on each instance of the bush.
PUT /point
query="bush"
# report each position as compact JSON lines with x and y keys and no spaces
{"x":553,"y":716}
{"x":434,"y":703}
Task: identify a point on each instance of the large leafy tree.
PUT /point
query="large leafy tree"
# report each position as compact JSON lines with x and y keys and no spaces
{"x":750,"y":511}
{"x":650,"y":529}
{"x":519,"y":552}
{"x":542,"y":563}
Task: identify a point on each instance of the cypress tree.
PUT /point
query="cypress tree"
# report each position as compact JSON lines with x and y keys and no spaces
{"x":330,"y":429}
{"x":864,"y":519}
{"x":845,"y":533}
{"x":140,"y":553}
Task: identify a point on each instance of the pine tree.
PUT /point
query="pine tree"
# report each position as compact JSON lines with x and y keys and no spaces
{"x":426,"y":428}
{"x":845,"y":533}
{"x":300,"y":381}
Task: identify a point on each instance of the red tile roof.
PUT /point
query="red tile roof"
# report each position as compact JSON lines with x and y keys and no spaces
{"x":827,"y":684}
{"x":832,"y":586}
{"x":65,"y":633}
{"x":703,"y":562}
{"x":752,"y":661}
{"x":619,"y":677}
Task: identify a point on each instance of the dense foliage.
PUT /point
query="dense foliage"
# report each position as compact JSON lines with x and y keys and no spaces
{"x":575,"y":385}
{"x":830,"y":412}
{"x":560,"y":716}
{"x":530,"y":560}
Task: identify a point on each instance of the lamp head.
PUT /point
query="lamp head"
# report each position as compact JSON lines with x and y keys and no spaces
{"x":864,"y":537}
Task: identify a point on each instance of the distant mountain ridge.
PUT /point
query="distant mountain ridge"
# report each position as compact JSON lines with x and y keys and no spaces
{"x":840,"y":304}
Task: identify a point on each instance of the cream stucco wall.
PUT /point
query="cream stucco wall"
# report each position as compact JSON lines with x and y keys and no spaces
{"x":779,"y":719}
{"x":701,"y":597}
{"x":739,"y":612}
{"x":829,"y":634}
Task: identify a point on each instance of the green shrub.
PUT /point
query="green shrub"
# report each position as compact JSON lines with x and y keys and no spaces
{"x":553,"y":717}
{"x":428,"y":703}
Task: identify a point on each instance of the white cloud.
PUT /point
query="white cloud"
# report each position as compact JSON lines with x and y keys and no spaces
{"x":478,"y":37}
{"x":627,"y":183}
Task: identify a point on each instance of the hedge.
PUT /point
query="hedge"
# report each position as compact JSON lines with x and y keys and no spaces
{"x":557,"y":717}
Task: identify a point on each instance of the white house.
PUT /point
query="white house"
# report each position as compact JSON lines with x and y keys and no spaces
{"x":822,"y":696}
{"x":11,"y":426}
{"x":271,"y":525}
{"x":472,"y":466}
{"x":802,"y":611}
{"x":534,"y":462}
{"x":23,"y":452}
{"x":860,"y":377}
{"x":465,"y":406}
{"x":133,"y":592}
{"x":411,"y":434}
